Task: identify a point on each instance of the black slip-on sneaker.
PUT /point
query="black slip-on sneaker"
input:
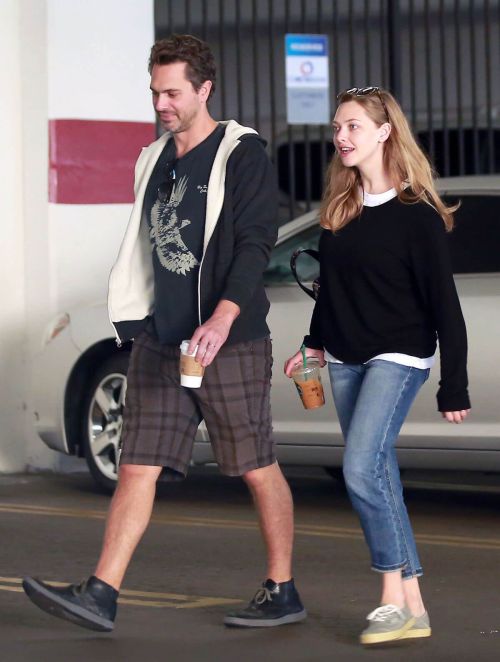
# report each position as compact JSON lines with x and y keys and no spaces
{"x":273,"y":604}
{"x":91,"y":604}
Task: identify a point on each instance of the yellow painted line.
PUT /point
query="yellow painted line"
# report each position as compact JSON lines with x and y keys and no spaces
{"x":14,"y":589}
{"x":47,"y":510}
{"x":322,"y":531}
{"x":132,"y":597}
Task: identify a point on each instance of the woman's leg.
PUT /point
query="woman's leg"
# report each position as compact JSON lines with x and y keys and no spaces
{"x":392,"y":589}
{"x":402,"y":592}
{"x":413,"y":597}
{"x":385,"y":392}
{"x":409,"y":584}
{"x":346,"y":381}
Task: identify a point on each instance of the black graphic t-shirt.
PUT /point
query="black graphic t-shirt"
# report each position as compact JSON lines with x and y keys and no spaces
{"x":176,"y":228}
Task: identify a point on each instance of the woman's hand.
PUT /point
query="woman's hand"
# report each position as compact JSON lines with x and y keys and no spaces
{"x":296,"y":359}
{"x":455,"y":416}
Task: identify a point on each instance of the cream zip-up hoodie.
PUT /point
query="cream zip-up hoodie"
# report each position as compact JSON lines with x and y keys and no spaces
{"x":131,"y":282}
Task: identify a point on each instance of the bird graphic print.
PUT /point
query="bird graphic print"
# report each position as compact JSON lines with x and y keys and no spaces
{"x":165,"y":232}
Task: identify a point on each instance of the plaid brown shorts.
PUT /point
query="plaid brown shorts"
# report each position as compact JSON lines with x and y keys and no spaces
{"x":161,"y":417}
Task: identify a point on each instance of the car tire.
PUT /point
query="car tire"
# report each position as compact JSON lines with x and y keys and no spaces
{"x":102,"y":419}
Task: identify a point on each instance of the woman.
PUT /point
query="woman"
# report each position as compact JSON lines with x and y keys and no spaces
{"x":387,"y":292}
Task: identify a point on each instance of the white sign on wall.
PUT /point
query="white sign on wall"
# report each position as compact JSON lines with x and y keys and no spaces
{"x":307,"y":79}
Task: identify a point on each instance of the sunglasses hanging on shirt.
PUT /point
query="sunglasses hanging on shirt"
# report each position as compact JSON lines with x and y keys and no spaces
{"x":165,"y":189}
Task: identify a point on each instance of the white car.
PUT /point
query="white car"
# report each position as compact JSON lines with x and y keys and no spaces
{"x":80,"y":377}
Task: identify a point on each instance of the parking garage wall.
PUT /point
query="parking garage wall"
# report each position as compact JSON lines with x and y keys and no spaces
{"x":75,"y":104}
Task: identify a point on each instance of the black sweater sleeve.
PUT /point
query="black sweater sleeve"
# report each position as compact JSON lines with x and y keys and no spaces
{"x":313,"y":340}
{"x":254,"y":193}
{"x":434,"y":277}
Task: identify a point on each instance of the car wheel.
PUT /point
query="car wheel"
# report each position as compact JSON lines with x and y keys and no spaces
{"x":102,"y":420}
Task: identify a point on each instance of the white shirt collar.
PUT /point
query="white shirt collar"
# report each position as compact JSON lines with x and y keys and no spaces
{"x":375,"y":199}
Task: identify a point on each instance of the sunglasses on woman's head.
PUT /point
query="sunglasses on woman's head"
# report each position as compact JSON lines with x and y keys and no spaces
{"x":364,"y":92}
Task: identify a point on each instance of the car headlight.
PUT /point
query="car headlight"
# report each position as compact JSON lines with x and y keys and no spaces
{"x":55,"y":327}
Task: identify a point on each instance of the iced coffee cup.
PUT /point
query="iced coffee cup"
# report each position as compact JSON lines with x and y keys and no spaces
{"x":307,"y":379}
{"x":191,"y":370}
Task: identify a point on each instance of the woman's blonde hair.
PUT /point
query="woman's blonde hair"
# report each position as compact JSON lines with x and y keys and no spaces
{"x":404,"y":161}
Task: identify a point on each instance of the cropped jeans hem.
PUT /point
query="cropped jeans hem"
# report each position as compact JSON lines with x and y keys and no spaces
{"x":390,"y":568}
{"x":406,"y":573}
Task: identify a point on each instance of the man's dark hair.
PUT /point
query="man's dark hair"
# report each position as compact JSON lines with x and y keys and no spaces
{"x":199,"y":59}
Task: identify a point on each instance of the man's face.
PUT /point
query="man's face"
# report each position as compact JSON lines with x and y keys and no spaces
{"x":175,"y":100}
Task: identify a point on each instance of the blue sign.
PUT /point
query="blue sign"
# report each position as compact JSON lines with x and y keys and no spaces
{"x":306,"y":44}
{"x":307,"y":79}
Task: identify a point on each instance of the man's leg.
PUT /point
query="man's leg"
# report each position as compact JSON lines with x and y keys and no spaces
{"x":128,"y":517}
{"x":273,"y":501}
{"x":154,"y":435}
{"x":159,"y":425}
{"x":92,"y":604}
{"x":277,"y":602}
{"x":234,"y":401}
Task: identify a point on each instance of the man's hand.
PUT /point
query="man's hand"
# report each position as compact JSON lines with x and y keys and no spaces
{"x":211,"y":335}
{"x":455,"y":416}
{"x":296,"y":359}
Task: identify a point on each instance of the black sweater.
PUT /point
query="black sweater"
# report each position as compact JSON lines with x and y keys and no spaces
{"x":387,"y":286}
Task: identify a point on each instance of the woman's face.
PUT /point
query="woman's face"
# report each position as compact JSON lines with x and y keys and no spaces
{"x":357,"y":139}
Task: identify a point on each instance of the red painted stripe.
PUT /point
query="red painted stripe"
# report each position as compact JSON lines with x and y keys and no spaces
{"x":92,"y":161}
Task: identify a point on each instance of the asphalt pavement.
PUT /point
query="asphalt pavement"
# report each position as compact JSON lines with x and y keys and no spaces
{"x":202,"y":555}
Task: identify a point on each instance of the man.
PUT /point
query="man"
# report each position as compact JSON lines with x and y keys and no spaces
{"x":190,"y":267}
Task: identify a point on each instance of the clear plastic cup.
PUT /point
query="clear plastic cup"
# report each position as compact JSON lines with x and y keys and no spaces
{"x":191,"y":371}
{"x":308,"y":382}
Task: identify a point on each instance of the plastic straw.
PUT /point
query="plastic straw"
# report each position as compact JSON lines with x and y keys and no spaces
{"x":304,"y":359}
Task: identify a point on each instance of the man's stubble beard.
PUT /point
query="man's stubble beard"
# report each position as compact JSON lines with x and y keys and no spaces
{"x":185,"y":123}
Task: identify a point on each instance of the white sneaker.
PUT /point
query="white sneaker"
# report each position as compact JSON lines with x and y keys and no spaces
{"x":421,"y":628}
{"x":387,"y":623}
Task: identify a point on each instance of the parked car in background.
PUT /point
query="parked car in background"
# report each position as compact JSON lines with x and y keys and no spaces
{"x":80,"y":376}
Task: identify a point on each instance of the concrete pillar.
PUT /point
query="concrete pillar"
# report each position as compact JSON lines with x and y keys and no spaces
{"x":60,"y":60}
{"x":12,"y":282}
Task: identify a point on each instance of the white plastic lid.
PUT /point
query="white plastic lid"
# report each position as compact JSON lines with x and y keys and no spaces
{"x":184,"y":348}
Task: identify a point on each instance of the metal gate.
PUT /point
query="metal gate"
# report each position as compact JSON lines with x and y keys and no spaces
{"x":441,"y":58}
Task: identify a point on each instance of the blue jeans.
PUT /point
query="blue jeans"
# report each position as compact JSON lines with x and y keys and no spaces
{"x":372,"y":402}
